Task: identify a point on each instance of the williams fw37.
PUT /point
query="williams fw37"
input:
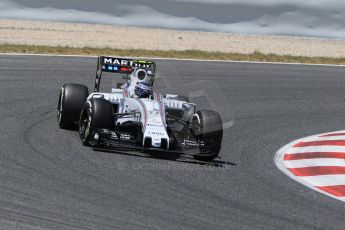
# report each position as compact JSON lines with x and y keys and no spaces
{"x":131,"y":116}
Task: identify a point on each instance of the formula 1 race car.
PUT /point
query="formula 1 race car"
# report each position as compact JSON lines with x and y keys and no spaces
{"x":134,"y":117}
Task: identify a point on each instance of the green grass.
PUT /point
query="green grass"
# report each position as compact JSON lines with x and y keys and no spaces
{"x":187,"y":54}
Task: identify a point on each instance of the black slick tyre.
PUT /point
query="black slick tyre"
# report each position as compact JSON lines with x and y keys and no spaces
{"x":208,"y":128}
{"x":71,"y":101}
{"x":97,"y":113}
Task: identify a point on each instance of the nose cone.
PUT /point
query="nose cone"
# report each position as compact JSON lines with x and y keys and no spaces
{"x":156,"y":142}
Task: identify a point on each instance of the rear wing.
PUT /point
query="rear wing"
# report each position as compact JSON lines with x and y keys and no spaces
{"x":122,"y":66}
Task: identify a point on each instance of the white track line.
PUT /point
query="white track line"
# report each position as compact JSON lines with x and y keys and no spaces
{"x":180,"y":59}
{"x":324,"y":148}
{"x":316,"y":162}
{"x":324,"y":180}
{"x":331,"y":138}
{"x":335,"y":132}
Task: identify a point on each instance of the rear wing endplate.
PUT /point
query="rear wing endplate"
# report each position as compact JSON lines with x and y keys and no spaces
{"x":122,"y":66}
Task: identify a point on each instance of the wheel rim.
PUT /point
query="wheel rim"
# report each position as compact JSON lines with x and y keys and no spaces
{"x":59,"y":108}
{"x":83,"y":122}
{"x":196,"y":125}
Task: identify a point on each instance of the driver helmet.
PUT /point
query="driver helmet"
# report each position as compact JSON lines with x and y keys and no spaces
{"x":144,"y":76}
{"x":143,"y":90}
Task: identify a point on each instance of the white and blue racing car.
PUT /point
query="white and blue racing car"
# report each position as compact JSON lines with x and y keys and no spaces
{"x":131,"y":116}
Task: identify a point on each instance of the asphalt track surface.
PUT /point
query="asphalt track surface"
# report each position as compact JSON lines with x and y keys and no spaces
{"x":50,"y":181}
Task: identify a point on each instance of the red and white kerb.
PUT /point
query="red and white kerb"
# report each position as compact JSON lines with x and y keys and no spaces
{"x":317,"y":162}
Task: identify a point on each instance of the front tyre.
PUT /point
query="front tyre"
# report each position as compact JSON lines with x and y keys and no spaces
{"x":208,"y":128}
{"x":96,"y":114}
{"x":71,"y":101}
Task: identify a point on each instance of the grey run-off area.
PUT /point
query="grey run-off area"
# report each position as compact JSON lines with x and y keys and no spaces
{"x":49,"y":180}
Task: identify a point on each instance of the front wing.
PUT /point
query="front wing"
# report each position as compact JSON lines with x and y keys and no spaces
{"x":120,"y":141}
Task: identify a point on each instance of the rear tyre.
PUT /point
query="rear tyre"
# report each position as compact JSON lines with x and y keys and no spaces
{"x":71,"y":101}
{"x":208,"y":128}
{"x":96,"y":114}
